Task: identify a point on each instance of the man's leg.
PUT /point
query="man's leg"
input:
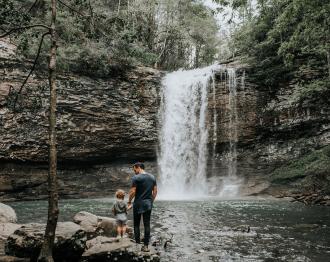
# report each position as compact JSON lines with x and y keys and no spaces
{"x":137,"y":220}
{"x":146,"y":223}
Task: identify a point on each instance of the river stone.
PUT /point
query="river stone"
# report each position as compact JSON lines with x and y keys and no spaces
{"x":86,"y":220}
{"x":108,"y":249}
{"x":26,"y":241}
{"x":100,"y":225}
{"x":7,"y":214}
{"x":107,"y":226}
{"x":6,"y":229}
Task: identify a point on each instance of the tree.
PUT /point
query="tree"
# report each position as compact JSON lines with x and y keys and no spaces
{"x":285,"y":39}
{"x":53,"y":211}
{"x":46,"y":254}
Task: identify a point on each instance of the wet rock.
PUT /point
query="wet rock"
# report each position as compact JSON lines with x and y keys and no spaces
{"x":86,"y":220}
{"x":6,"y":229}
{"x":108,"y":226}
{"x":7,"y":214}
{"x":242,"y":228}
{"x":26,"y":241}
{"x":13,"y":259}
{"x":306,"y":226}
{"x":99,"y":225}
{"x":108,"y":249}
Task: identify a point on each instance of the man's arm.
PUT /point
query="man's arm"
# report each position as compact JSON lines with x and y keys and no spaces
{"x":154,"y":193}
{"x":132,"y":192}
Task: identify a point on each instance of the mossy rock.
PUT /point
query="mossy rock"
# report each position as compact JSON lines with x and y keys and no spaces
{"x":316,"y":163}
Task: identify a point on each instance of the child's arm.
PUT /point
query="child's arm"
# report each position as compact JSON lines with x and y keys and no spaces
{"x":113,"y":210}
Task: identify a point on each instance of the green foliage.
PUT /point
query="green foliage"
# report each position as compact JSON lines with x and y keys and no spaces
{"x":317,"y":90}
{"x":11,"y":15}
{"x":96,"y":35}
{"x":316,"y":163}
{"x":286,"y":36}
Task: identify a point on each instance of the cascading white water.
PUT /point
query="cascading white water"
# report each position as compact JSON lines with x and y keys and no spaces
{"x":231,"y":183}
{"x":215,"y":125}
{"x":184,"y":133}
{"x":233,"y":122}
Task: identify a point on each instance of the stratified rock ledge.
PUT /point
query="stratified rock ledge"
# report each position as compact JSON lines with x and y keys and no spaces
{"x":112,"y":249}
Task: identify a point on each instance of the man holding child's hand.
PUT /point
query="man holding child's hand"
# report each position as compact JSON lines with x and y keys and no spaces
{"x":144,"y":192}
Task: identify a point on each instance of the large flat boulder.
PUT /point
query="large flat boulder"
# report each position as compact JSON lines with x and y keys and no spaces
{"x":86,"y":220}
{"x":111,"y":249}
{"x":26,"y":242}
{"x":99,"y":225}
{"x":7,"y":214}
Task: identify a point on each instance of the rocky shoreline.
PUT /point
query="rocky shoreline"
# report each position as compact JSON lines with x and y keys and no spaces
{"x":308,"y":198}
{"x":87,"y":238}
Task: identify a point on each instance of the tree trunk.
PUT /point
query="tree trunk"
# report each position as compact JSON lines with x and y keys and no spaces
{"x":118,"y":7}
{"x":46,"y":254}
{"x":328,"y":59}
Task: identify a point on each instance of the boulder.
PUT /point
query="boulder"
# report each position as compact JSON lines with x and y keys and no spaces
{"x":107,"y":226}
{"x":7,"y":214}
{"x":6,"y":229}
{"x":86,"y":220}
{"x":123,"y":250}
{"x":26,"y":241}
{"x":99,"y":225}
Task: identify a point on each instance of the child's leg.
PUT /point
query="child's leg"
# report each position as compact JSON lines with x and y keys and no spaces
{"x":119,"y":230}
{"x":124,"y":230}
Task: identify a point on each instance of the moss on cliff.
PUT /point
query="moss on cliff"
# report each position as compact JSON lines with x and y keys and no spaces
{"x":316,"y":164}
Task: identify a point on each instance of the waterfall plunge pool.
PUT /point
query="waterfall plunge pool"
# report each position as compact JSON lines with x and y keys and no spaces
{"x":211,"y":229}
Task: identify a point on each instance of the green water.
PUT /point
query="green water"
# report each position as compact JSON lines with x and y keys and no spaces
{"x":208,"y":230}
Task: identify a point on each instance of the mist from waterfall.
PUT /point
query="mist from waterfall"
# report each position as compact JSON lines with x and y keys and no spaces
{"x":184,"y":133}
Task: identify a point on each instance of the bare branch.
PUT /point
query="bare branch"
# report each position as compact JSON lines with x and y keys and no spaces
{"x":32,"y":69}
{"x":33,"y":5}
{"x":71,"y":8}
{"x":12,"y":30}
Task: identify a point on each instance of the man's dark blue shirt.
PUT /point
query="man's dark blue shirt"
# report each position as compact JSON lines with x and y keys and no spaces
{"x":144,"y":184}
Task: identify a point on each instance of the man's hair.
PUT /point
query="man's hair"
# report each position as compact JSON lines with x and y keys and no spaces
{"x":120,"y":194}
{"x":139,"y":164}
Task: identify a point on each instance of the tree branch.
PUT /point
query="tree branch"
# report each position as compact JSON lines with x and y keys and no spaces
{"x":32,"y":69}
{"x":12,"y":30}
{"x":32,"y":6}
{"x":71,"y":8}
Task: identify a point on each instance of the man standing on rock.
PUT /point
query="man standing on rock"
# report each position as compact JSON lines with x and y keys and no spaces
{"x":144,"y":192}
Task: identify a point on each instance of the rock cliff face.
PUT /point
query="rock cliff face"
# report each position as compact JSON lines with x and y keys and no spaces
{"x":274,"y":129}
{"x":99,"y":121}
{"x":106,"y":124}
{"x":97,"y":118}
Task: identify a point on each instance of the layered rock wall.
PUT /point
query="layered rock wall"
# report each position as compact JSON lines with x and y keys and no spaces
{"x":274,"y":128}
{"x":106,"y":124}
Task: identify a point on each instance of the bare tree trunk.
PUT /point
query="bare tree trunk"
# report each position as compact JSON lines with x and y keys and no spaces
{"x":118,"y":7}
{"x":328,"y":58}
{"x":46,"y":254}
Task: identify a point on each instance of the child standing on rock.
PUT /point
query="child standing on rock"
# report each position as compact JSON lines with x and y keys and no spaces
{"x":120,"y":209}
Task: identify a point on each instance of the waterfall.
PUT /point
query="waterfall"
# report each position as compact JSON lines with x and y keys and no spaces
{"x":231,"y":183}
{"x":233,"y":122}
{"x":184,"y":133}
{"x":215,"y":126}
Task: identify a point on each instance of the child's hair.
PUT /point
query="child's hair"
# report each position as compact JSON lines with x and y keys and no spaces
{"x":120,"y":194}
